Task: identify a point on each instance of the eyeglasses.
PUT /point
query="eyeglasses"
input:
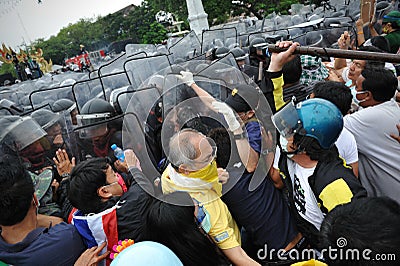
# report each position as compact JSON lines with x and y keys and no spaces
{"x":212,"y":155}
{"x":206,"y":153}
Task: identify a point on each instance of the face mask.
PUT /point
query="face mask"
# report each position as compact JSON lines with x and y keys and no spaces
{"x":284,"y":143}
{"x":354,"y":93}
{"x":385,"y":29}
{"x":121,"y":182}
{"x":208,"y":173}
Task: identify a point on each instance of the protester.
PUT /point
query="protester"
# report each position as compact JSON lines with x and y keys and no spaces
{"x":390,"y":26}
{"x":96,"y":189}
{"x":369,"y":226}
{"x":193,"y":169}
{"x":316,"y":178}
{"x":262,"y":212}
{"x":372,"y":126}
{"x":25,"y":241}
{"x":170,"y":222}
{"x":340,"y":95}
{"x":396,"y":136}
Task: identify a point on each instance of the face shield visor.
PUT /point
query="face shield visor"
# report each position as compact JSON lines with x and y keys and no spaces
{"x":287,"y":120}
{"x":92,"y":125}
{"x":21,"y":133}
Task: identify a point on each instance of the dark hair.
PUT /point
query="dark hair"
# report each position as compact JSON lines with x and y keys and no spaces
{"x":86,"y":178}
{"x":380,"y":82}
{"x":370,"y":63}
{"x":187,"y":117}
{"x":222,"y":140}
{"x":381,"y":43}
{"x":292,"y":70}
{"x":367,"y":223}
{"x":313,"y":149}
{"x":17,"y":190}
{"x":171,"y":222}
{"x":335,"y":92}
{"x":394,"y":24}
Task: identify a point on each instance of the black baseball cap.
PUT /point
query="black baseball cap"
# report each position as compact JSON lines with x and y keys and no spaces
{"x":243,"y":98}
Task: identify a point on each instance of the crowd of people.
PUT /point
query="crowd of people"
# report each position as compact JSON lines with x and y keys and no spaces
{"x":321,"y":174}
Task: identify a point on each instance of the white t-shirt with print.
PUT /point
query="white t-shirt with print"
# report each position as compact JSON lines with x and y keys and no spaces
{"x":304,"y":199}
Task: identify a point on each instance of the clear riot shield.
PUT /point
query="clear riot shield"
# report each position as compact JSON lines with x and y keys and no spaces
{"x":216,"y":38}
{"x":265,"y":24}
{"x":186,"y":48}
{"x":114,"y":80}
{"x":68,"y":135}
{"x":119,"y":98}
{"x":141,"y":128}
{"x":321,"y":38}
{"x":182,"y":107}
{"x":112,"y":74}
{"x":85,"y":90}
{"x":49,"y":95}
{"x":139,"y":70}
{"x":10,"y":100}
{"x":135,"y":48}
{"x":230,"y":74}
{"x":115,"y":64}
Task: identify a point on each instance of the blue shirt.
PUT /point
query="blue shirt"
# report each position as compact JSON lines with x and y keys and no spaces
{"x":57,"y":245}
{"x":254,"y":135}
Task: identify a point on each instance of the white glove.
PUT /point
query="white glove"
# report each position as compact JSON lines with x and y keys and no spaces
{"x":228,"y":113}
{"x":186,"y":77}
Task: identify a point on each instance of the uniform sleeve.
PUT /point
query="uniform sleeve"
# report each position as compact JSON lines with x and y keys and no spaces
{"x":224,"y":232}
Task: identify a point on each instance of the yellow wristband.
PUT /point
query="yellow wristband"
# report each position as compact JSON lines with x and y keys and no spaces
{"x":360,"y":32}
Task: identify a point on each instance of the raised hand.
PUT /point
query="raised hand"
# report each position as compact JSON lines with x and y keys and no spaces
{"x":186,"y":77}
{"x":228,"y":113}
{"x":63,"y":164}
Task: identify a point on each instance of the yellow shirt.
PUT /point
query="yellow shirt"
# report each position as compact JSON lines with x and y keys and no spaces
{"x":222,"y":228}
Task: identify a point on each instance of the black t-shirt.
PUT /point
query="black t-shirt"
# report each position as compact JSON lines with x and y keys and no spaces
{"x":134,"y":205}
{"x":262,"y":212}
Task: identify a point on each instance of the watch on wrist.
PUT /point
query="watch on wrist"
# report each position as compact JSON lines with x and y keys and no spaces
{"x":65,"y":176}
{"x":266,"y":151}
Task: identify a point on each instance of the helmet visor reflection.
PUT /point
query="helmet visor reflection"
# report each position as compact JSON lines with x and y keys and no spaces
{"x":287,"y":120}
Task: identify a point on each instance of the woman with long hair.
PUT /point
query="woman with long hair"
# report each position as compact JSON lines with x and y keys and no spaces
{"x":173,"y":222}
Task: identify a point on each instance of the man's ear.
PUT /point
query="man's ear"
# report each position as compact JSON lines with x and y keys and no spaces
{"x":369,"y":96}
{"x":104,"y":193}
{"x":183,"y":170}
{"x":250,"y":114}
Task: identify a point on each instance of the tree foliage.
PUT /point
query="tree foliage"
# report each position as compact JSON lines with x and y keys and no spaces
{"x":140,"y":25}
{"x":7,"y":68}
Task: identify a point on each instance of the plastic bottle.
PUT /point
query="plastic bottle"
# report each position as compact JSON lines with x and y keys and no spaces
{"x":118,"y":152}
